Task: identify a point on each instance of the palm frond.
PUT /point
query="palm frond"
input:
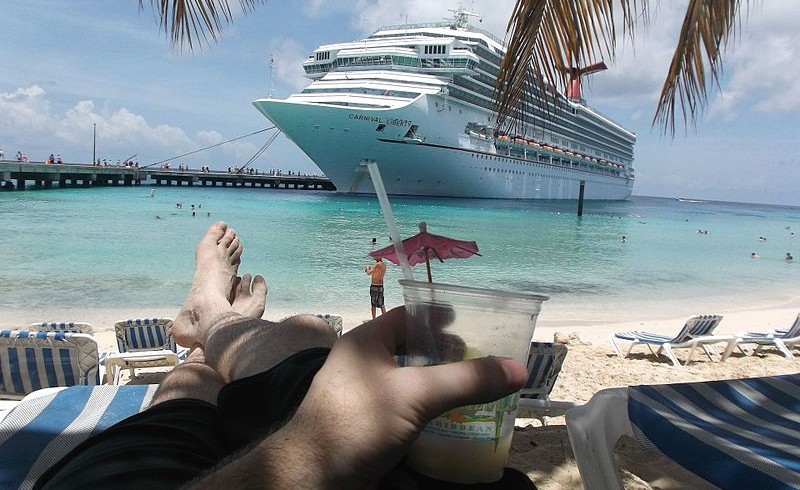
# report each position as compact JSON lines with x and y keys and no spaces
{"x":188,"y":22}
{"x":548,"y":38}
{"x":706,"y":30}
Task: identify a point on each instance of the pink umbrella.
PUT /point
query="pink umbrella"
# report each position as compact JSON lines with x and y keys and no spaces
{"x":423,"y":246}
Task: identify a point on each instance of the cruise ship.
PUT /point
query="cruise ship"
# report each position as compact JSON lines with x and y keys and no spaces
{"x":418,"y":100}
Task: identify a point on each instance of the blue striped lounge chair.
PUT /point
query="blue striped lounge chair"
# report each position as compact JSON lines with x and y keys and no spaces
{"x":739,"y":433}
{"x":30,"y":361}
{"x":142,"y":343}
{"x":72,"y":327}
{"x":544,"y":364}
{"x":49,"y":423}
{"x":783,"y":340}
{"x":697,"y":332}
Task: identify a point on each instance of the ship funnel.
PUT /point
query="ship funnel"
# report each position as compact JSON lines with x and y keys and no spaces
{"x":575,"y":74}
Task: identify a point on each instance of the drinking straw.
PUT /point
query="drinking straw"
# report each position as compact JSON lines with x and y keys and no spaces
{"x":388,"y":217}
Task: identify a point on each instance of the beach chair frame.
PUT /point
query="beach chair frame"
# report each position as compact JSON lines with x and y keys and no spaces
{"x":142,"y":343}
{"x":783,"y":340}
{"x":696,"y":332}
{"x":544,"y":365}
{"x":70,"y":327}
{"x":30,"y":361}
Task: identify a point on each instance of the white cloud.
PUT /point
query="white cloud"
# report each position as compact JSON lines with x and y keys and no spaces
{"x":368,"y":15}
{"x":119,"y":132}
{"x":25,"y":109}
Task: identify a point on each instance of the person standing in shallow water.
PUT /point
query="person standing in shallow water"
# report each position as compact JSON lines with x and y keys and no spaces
{"x":376,"y":272}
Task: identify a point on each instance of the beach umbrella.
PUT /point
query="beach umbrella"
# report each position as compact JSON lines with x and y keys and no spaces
{"x":425,"y":246}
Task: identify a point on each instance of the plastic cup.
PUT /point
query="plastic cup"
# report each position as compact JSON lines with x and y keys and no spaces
{"x":449,"y":323}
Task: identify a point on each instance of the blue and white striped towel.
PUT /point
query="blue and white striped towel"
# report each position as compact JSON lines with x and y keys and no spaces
{"x":41,"y":430}
{"x":742,"y":433}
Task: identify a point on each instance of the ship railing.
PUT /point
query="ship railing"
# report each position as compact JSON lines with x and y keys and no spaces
{"x":554,"y":156}
{"x":444,"y":25}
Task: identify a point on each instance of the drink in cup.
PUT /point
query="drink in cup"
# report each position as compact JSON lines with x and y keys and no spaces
{"x":449,"y":323}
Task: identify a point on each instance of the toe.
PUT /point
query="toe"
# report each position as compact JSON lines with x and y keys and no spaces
{"x":259,"y":287}
{"x":244,"y":285}
{"x":215,"y":232}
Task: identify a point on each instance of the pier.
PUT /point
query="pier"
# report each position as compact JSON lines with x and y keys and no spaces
{"x":225,"y":179}
{"x":16,"y":176}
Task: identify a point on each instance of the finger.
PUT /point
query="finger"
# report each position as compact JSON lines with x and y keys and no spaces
{"x":447,"y":386}
{"x":387,"y":330}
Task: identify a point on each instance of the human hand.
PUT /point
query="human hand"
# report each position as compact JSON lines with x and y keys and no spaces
{"x":363,"y":411}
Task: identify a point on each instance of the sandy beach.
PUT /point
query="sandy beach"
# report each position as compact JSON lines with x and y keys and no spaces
{"x":544,"y":453}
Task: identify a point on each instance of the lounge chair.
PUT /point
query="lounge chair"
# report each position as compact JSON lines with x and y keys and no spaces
{"x":544,"y":365}
{"x":741,"y":433}
{"x":30,"y":361}
{"x":142,"y":343}
{"x":72,"y":327}
{"x":49,"y":423}
{"x":783,"y":340}
{"x":335,"y":321}
{"x":698,"y":331}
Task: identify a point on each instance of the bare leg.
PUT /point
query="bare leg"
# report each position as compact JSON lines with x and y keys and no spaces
{"x":234,"y":343}
{"x":193,"y":378}
{"x":373,"y":312}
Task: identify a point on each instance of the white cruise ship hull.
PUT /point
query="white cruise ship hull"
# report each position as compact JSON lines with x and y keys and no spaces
{"x":441,"y":161}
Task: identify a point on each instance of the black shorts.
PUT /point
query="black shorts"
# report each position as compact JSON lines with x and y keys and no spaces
{"x":171,"y":443}
{"x":376,"y":295}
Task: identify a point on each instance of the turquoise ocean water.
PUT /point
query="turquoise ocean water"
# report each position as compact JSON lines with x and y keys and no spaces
{"x":104,"y":248}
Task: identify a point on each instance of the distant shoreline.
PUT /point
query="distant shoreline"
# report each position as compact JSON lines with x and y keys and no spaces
{"x":757,"y":314}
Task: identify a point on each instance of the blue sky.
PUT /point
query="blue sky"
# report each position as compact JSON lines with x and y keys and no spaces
{"x":65,"y":66}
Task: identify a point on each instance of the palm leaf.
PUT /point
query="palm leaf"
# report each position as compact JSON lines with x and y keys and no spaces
{"x":706,"y":29}
{"x":547,"y":37}
{"x":187,"y":22}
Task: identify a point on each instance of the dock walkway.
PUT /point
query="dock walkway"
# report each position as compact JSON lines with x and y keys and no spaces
{"x":17,"y":175}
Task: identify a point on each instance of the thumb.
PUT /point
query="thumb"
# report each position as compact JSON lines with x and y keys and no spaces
{"x":483,"y":380}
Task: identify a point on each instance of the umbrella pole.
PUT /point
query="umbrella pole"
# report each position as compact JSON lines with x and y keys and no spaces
{"x":428,"y":266}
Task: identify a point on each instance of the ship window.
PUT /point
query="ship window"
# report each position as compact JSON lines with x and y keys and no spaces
{"x":380,"y":127}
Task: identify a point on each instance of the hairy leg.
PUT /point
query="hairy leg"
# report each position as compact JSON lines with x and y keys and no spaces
{"x":193,"y":378}
{"x":222,"y":314}
{"x":238,"y":347}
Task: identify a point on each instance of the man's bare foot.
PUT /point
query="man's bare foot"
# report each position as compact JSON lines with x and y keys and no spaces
{"x":250,"y":296}
{"x":217,"y":261}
